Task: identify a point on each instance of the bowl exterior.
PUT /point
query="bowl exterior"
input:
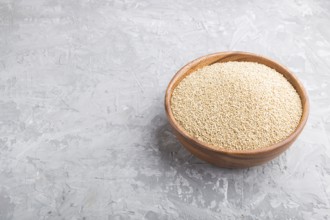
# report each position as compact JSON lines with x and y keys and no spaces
{"x":227,"y":160}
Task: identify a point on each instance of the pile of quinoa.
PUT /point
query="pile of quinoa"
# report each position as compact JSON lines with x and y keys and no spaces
{"x":237,"y":105}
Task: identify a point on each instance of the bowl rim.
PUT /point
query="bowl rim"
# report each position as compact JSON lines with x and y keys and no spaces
{"x":206,"y":146}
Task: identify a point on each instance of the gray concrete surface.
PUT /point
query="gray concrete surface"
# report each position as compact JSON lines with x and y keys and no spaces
{"x":83,"y":133}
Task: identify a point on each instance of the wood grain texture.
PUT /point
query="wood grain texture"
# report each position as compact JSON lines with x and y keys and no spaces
{"x":231,"y":158}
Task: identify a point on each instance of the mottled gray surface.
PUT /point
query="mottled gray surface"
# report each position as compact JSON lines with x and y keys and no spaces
{"x":82,"y":124}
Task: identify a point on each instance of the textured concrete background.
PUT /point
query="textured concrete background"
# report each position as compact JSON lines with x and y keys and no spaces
{"x":83,"y":133}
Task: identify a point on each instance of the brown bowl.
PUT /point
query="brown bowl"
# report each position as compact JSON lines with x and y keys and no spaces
{"x":234,"y":158}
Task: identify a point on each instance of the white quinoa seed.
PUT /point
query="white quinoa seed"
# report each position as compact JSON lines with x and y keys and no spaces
{"x":237,"y":105}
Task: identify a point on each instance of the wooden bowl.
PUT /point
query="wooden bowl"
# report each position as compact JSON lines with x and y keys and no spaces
{"x":234,"y":158}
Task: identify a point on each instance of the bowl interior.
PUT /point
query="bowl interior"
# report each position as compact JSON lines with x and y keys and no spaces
{"x":236,"y":56}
